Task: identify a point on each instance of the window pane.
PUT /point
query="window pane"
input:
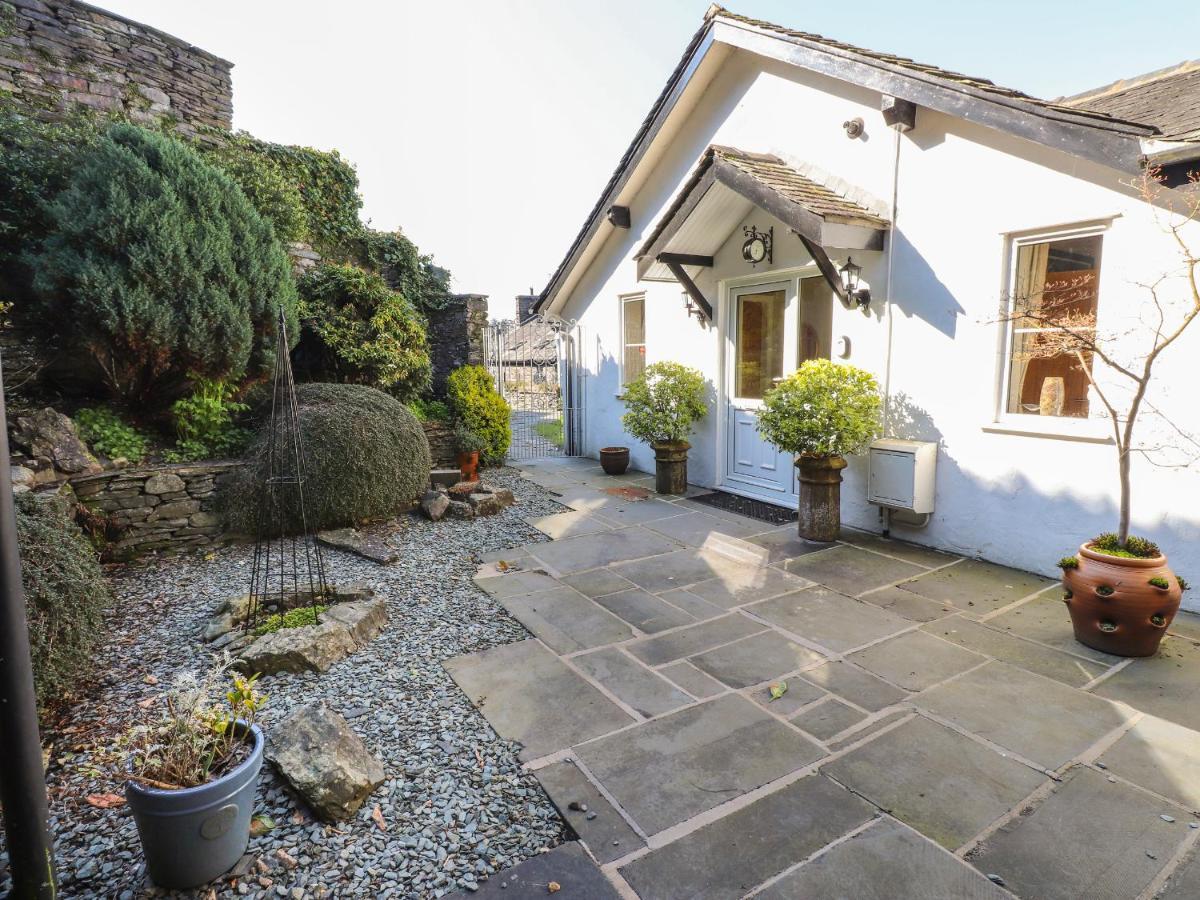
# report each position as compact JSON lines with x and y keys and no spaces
{"x":634,"y":362}
{"x":1057,"y":281}
{"x":635,"y":321}
{"x":1047,"y":385}
{"x":816,"y":319}
{"x":759,"y":343}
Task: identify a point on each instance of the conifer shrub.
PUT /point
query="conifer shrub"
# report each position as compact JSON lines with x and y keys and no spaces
{"x":479,"y":408}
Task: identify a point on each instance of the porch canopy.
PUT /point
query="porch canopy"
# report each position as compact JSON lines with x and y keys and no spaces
{"x":722,"y":190}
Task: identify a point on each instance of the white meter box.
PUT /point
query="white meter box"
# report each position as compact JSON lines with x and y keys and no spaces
{"x":902,"y":474}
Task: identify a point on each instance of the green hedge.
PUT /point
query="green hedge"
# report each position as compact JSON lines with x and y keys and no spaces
{"x":476,"y":405}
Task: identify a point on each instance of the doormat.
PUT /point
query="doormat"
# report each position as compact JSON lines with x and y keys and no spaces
{"x":745,"y":506}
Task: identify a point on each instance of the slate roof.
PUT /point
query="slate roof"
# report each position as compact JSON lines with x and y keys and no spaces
{"x":1168,"y":99}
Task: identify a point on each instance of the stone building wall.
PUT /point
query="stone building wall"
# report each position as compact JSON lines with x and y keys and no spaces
{"x":441,"y":444}
{"x":158,"y":508}
{"x":55,"y":53}
{"x":456,"y":334}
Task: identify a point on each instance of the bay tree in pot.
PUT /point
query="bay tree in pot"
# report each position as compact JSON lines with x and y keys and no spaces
{"x":821,"y":413}
{"x":662,"y":405}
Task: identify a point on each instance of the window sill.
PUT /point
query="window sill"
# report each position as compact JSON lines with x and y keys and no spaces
{"x":1087,"y":431}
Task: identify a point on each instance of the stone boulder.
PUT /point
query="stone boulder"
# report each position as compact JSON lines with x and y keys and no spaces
{"x":364,"y":545}
{"x":317,"y":752}
{"x":309,"y":648}
{"x":434,"y":504}
{"x":484,"y":504}
{"x":364,"y":620}
{"x":459,"y":509}
{"x":50,"y":435}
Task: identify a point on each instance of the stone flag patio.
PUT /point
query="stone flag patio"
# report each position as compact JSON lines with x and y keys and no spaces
{"x":941,"y":736}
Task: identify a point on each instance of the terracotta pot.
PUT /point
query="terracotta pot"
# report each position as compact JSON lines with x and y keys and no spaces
{"x":820,"y":508}
{"x":1113,"y":605}
{"x":670,"y":467}
{"x":614,"y":460}
{"x":468,"y":466}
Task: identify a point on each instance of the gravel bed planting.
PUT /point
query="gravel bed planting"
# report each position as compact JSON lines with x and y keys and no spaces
{"x":456,"y":806}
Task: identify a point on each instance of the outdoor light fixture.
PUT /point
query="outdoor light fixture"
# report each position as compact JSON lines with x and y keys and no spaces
{"x":850,"y":274}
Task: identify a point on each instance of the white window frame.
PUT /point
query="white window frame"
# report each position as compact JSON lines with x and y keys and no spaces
{"x":622,"y":300}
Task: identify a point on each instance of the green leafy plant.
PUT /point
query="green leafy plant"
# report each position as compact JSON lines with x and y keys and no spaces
{"x":293,"y":618}
{"x":1161,"y":583}
{"x":358,"y":330}
{"x":467,"y":441}
{"x":1068,"y":562}
{"x":552,"y":431}
{"x":1134,"y":547}
{"x":204,"y":422}
{"x":1183,"y":585}
{"x":822,"y":409}
{"x":105,"y":432}
{"x":265,"y":183}
{"x":428,"y":410}
{"x":664,"y":403}
{"x":477,"y":406}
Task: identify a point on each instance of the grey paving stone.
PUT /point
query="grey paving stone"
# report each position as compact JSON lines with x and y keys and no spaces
{"x":670,"y":769}
{"x":517,"y":582}
{"x":851,"y":570}
{"x":639,"y":512}
{"x":1045,"y":619}
{"x":745,"y":848}
{"x":578,"y":877}
{"x":1186,"y":624}
{"x":1166,"y":685}
{"x":509,"y":556}
{"x":1184,"y":882}
{"x":853,"y":684}
{"x":591,"y":551}
{"x":1090,"y":838}
{"x":912,"y":553}
{"x":799,"y":693}
{"x":828,"y":618}
{"x":528,"y":694}
{"x":907,"y":604}
{"x":696,"y":607}
{"x":1064,"y":667}
{"x":632,"y":682}
{"x":1043,"y":720}
{"x":694,"y":639}
{"x":1161,"y":756}
{"x":976,"y":586}
{"x":916,"y":660}
{"x":597,"y":582}
{"x":644,"y":611}
{"x":747,"y":585}
{"x":692,"y":680}
{"x":944,"y":785}
{"x":867,"y":730}
{"x":566,"y":620}
{"x":784,"y":543}
{"x":826,"y":719}
{"x":887,"y":861}
{"x":680,"y":569}
{"x":568,"y":524}
{"x":755,"y":659}
{"x":694,"y":528}
{"x":606,"y":834}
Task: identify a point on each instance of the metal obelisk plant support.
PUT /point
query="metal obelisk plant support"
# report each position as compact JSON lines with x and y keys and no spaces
{"x":288,"y":570}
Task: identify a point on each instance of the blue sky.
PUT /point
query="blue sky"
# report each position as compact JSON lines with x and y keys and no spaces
{"x":486,"y":128}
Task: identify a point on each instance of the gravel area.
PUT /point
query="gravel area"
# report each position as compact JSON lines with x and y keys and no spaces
{"x":456,"y":805}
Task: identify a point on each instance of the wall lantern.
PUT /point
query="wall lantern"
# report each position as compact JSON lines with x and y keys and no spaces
{"x":850,"y":275}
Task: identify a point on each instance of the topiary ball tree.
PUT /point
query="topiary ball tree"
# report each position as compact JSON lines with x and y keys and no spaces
{"x":157,"y":267}
{"x":365,"y":455}
{"x":477,"y":406}
{"x":664,"y":403}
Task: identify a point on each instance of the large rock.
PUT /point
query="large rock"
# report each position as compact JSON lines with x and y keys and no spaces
{"x":309,"y":648}
{"x":51,"y":435}
{"x":319,"y":755}
{"x":365,"y":545}
{"x":434,"y":504}
{"x":164,"y":483}
{"x":364,"y":620}
{"x":484,"y":504}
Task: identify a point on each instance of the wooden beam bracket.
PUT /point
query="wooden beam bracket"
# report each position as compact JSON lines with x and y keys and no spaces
{"x":828,"y":269}
{"x":690,"y":286}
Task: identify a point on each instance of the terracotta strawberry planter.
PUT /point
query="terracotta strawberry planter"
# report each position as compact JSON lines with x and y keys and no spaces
{"x":468,"y":466}
{"x":1114,"y":607}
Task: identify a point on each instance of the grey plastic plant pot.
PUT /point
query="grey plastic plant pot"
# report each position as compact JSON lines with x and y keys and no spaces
{"x":193,"y":835}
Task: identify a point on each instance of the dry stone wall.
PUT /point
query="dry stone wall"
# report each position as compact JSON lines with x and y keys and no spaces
{"x":456,"y":334}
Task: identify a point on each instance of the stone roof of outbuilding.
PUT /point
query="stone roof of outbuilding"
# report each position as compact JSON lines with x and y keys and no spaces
{"x":1168,"y":99}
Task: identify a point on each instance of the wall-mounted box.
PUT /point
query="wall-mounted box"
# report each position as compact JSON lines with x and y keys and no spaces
{"x":901,"y":474}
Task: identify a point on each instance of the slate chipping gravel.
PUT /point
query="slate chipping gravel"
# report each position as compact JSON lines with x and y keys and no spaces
{"x":456,"y":803}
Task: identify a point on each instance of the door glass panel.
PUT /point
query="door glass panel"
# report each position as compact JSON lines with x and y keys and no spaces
{"x":816,"y":319}
{"x":759,"y":336}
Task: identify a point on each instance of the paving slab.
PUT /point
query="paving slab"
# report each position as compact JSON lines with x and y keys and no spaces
{"x":607,"y":835}
{"x":631,"y":682}
{"x":869,"y":729}
{"x":1160,"y":756}
{"x":1184,"y":882}
{"x":827,"y":719}
{"x":916,"y":660}
{"x":696,"y":607}
{"x":784,"y":543}
{"x":828,"y":618}
{"x":851,"y":570}
{"x":514,"y":583}
{"x":1090,"y":838}
{"x":944,"y":785}
{"x":729,"y":857}
{"x":747,"y":585}
{"x":694,"y":528}
{"x":853,"y":684}
{"x":1166,"y":685}
{"x":976,"y":586}
{"x":699,"y":684}
{"x":578,"y":878}
{"x":755,"y":659}
{"x":799,"y":693}
{"x":1045,"y":619}
{"x":639,"y":512}
{"x":644,"y":611}
{"x":887,"y":861}
{"x":528,"y":694}
{"x":926,"y":557}
{"x":566,"y":620}
{"x":568,"y":524}
{"x":907,"y":604}
{"x":508,"y":556}
{"x":1015,"y":651}
{"x":1043,"y":720}
{"x":664,"y":648}
{"x":1186,"y":624}
{"x":590,"y":551}
{"x":672,"y":768}
{"x":680,"y":569}
{"x":597,"y":582}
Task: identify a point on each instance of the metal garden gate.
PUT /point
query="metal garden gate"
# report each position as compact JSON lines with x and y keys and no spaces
{"x":538,"y":368}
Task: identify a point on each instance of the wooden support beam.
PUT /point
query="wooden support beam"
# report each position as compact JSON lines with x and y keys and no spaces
{"x":685,"y":259}
{"x":828,"y":269}
{"x":690,"y":286}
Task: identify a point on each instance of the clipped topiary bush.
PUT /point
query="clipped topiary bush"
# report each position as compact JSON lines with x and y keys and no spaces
{"x":823,"y":409}
{"x":65,"y":593}
{"x":158,"y":267}
{"x":366,"y":458}
{"x":664,"y":403}
{"x":477,"y":407}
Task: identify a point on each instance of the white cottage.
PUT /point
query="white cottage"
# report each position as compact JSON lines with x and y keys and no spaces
{"x":774,"y":157}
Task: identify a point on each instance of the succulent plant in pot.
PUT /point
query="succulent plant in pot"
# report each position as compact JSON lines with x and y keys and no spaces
{"x":821,"y":413}
{"x":468,"y":445}
{"x":662,"y":405}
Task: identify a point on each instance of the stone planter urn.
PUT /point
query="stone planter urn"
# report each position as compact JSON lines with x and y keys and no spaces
{"x":614,"y":460}
{"x":670,"y":466}
{"x":820,"y":509}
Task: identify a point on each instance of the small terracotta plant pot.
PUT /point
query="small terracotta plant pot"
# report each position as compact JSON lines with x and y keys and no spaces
{"x":614,"y":460}
{"x":820,"y":507}
{"x":670,"y":467}
{"x":1118,"y":605}
{"x":468,"y":466}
